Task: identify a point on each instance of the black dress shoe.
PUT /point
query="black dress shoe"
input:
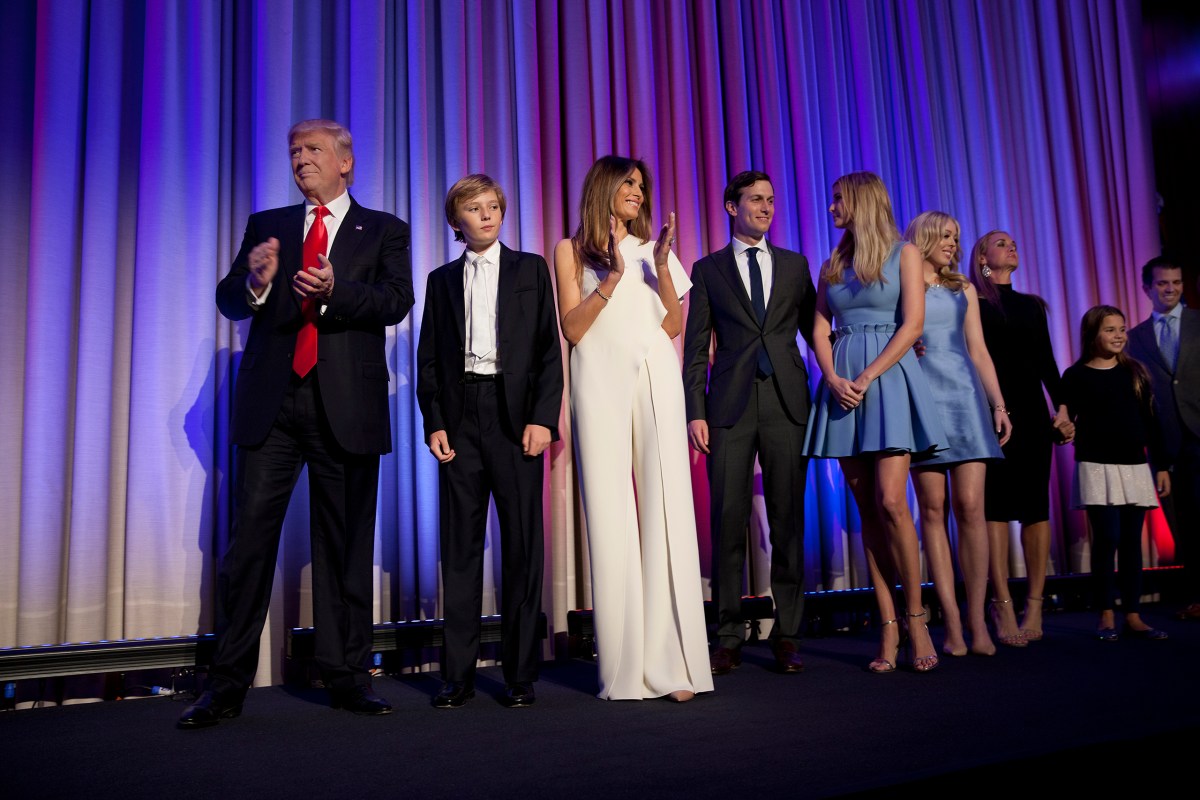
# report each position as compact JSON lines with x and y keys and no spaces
{"x":454,"y":694}
{"x":518,"y":695}
{"x":362,"y":700}
{"x":210,"y":708}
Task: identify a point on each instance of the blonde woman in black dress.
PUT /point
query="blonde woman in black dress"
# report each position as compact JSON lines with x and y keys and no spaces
{"x":1018,"y":487}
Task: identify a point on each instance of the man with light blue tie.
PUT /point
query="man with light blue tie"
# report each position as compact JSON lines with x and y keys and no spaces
{"x":1168,"y":345}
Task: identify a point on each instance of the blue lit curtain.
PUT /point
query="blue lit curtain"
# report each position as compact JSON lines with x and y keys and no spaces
{"x":139,"y":136}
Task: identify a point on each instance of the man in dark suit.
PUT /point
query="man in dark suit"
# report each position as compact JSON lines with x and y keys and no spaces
{"x":753,"y":298}
{"x":312,"y":389}
{"x":1168,"y":345}
{"x":490,"y":384}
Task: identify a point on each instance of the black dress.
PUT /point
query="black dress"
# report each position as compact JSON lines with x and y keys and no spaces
{"x":1018,"y":488}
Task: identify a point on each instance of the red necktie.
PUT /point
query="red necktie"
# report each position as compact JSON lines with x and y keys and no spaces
{"x":315,"y":243}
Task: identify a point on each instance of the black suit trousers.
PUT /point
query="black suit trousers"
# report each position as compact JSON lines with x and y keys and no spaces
{"x":766,"y":430}
{"x":342,"y":496}
{"x":488,"y":461}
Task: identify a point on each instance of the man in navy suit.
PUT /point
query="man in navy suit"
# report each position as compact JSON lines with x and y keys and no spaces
{"x":752,"y":298}
{"x":321,"y":282}
{"x":490,"y":384}
{"x":1168,"y":345}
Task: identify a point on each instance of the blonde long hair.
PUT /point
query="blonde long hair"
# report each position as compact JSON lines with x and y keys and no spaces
{"x":925,"y":231}
{"x":870,"y":232}
{"x":595,"y":207}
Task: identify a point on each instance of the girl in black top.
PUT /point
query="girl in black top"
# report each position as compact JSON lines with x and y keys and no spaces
{"x":1107,"y":394}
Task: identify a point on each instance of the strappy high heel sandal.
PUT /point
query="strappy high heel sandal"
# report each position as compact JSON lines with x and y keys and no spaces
{"x":1012,"y":639}
{"x":1031,"y":634}
{"x":881,"y":665}
{"x":922,"y":663}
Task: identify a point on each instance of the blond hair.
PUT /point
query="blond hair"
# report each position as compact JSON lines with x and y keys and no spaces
{"x":870,"y":233}
{"x":983,"y":284}
{"x":465,"y":189}
{"x":342,"y":139}
{"x":925,"y":231}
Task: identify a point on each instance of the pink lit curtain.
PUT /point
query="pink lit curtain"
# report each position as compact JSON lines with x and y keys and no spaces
{"x":139,"y":136}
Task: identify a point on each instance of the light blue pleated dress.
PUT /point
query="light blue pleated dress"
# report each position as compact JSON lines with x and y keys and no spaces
{"x":898,"y":413}
{"x":954,"y":381}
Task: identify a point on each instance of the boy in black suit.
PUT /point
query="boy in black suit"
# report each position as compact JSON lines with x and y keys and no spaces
{"x":490,"y":386}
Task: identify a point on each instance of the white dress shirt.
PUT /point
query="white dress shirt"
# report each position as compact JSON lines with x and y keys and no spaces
{"x":766,"y":265}
{"x":488,"y":361}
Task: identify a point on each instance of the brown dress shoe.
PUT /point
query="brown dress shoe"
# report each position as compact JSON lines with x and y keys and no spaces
{"x":725,"y":660}
{"x":787,"y":659}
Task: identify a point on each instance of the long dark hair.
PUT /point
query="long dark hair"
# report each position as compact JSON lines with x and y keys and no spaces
{"x":1089,"y":335}
{"x":595,"y":207}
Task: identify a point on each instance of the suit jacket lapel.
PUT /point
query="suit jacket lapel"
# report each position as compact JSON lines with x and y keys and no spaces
{"x":350,"y":234}
{"x":1189,"y":333}
{"x":780,"y":282}
{"x":291,"y":248}
{"x":1149,"y":344}
{"x":455,"y":288}
{"x":506,"y":292}
{"x":727,"y":266}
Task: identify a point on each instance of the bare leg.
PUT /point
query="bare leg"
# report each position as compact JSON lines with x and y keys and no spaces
{"x":860,"y":476}
{"x":1003,"y":616}
{"x":930,"y":484}
{"x":891,"y":485}
{"x":973,"y":549}
{"x":1035,"y":540}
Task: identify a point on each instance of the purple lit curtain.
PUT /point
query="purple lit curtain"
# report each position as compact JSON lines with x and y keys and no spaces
{"x":139,"y":136}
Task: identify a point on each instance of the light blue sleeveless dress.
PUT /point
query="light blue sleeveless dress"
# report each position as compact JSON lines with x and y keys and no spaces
{"x":954,"y":381}
{"x":898,"y":413}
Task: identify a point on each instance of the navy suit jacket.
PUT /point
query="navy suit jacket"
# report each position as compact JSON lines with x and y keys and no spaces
{"x":1176,"y":392}
{"x":372,"y":289}
{"x":531,"y":372}
{"x":719,"y":304}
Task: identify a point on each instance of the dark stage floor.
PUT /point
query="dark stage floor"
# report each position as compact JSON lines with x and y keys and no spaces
{"x":1068,"y":713}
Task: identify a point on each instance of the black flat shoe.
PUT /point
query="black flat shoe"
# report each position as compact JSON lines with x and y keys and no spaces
{"x":1107,"y":634}
{"x":210,"y":708}
{"x":361,"y":700}
{"x":454,"y":694}
{"x":518,"y":695}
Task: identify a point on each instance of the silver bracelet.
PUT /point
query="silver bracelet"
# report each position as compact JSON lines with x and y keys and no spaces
{"x":606,"y":297}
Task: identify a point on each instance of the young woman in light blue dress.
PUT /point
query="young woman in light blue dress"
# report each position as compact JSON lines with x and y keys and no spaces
{"x":963,"y":381}
{"x":874,"y":412}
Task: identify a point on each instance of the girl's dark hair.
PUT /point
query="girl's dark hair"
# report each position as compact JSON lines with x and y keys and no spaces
{"x":1089,"y":333}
